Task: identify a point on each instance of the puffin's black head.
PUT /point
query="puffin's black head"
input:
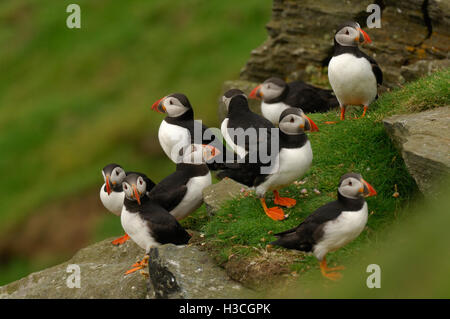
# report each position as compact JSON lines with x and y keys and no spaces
{"x":228,"y":95}
{"x":269,"y":90}
{"x":351,"y":34}
{"x":293,"y":121}
{"x":352,"y":185}
{"x":237,"y":95}
{"x":174,"y":105}
{"x":113,"y":174}
{"x":134,"y":187}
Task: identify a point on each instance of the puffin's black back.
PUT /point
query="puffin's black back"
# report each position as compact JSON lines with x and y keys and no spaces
{"x":309,"y":98}
{"x":171,"y":190}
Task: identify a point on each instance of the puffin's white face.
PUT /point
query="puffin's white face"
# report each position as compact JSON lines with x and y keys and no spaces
{"x":173,"y":106}
{"x":269,"y":91}
{"x":134,"y":188}
{"x":117,"y":175}
{"x":293,"y":124}
{"x":355,"y":186}
{"x":113,"y":175}
{"x":351,"y":35}
{"x":351,"y":187}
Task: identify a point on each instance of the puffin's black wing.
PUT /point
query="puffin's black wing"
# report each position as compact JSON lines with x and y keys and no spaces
{"x":163,"y":226}
{"x":169,"y":198}
{"x":308,"y":233}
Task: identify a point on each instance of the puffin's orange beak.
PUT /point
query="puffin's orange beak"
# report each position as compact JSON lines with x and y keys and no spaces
{"x":108,"y":185}
{"x":158,"y":106}
{"x":368,"y":189}
{"x":256,"y":93}
{"x":136,"y":194}
{"x":366,"y":36}
{"x":313,"y":126}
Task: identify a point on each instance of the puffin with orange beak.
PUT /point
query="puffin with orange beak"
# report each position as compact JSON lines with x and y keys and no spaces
{"x":111,"y":192}
{"x":148,"y":223}
{"x":333,"y":225}
{"x":179,"y":129}
{"x":353,"y":75}
{"x":181,"y":192}
{"x":289,"y":161}
{"x":277,"y":96}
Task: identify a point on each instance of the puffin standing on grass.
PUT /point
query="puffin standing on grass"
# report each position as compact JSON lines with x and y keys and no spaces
{"x":111,"y":192}
{"x":179,"y":129}
{"x":181,"y":192}
{"x":353,"y":75}
{"x":147,"y":223}
{"x":333,"y":225}
{"x":277,"y":96}
{"x":290,"y":161}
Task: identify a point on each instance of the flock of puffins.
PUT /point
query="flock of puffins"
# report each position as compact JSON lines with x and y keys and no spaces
{"x":150,"y":212}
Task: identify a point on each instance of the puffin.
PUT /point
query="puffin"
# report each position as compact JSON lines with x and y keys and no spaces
{"x":179,"y":129}
{"x":277,"y":96}
{"x":181,"y":192}
{"x":240,"y":119}
{"x":111,"y":192}
{"x":354,"y":76}
{"x":332,"y":225}
{"x":147,"y":223}
{"x":291,"y":160}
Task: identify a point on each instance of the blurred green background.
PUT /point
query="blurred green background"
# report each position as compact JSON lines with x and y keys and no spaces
{"x":73,"y":100}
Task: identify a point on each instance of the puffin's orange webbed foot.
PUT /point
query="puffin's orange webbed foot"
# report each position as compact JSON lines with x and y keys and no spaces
{"x":283,"y":201}
{"x":120,"y":240}
{"x":329,"y":272}
{"x":139,"y":265}
{"x":275,"y":213}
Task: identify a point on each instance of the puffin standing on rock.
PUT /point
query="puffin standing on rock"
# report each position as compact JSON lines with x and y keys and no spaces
{"x":290,"y":161}
{"x":181,"y":192}
{"x":353,"y":75}
{"x":112,"y":195}
{"x":179,"y":129}
{"x":148,"y":223}
{"x":277,"y":96}
{"x":333,"y":225}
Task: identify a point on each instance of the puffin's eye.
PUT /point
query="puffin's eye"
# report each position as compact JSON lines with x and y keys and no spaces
{"x":350,"y":183}
{"x":292,"y":120}
{"x":170,"y":102}
{"x":346,"y":32}
{"x":140,"y":182}
{"x":268,"y":86}
{"x":117,"y":173}
{"x":125,"y":187}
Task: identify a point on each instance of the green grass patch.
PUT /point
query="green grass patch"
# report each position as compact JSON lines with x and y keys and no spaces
{"x":353,"y":145}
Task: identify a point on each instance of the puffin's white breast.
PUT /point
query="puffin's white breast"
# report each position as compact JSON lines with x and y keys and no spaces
{"x":193,"y":197}
{"x":172,"y":138}
{"x":352,"y":79}
{"x":273,"y":111}
{"x":112,"y":202}
{"x":340,"y":231}
{"x":290,"y":165}
{"x":137,"y":229}
{"x":236,"y":148}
